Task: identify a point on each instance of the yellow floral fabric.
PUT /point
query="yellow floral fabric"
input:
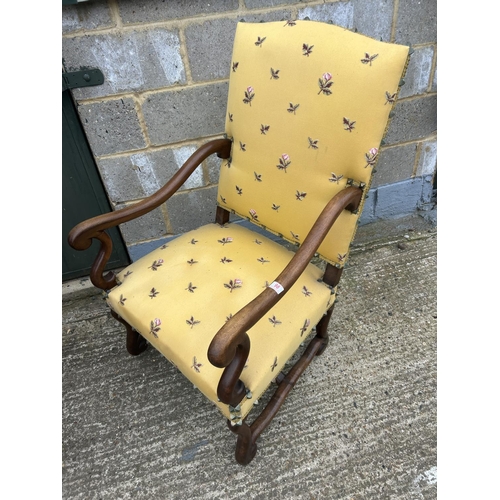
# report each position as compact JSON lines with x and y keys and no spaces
{"x":180,"y":295}
{"x":307,"y":109}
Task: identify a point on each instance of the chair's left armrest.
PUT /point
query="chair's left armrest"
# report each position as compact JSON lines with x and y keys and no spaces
{"x":225,"y":344}
{"x":80,"y":237}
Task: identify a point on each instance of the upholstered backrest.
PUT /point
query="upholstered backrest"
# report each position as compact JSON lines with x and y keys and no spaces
{"x":308,"y":106}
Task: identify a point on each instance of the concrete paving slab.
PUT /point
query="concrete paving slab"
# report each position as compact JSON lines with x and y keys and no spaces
{"x":360,"y":424}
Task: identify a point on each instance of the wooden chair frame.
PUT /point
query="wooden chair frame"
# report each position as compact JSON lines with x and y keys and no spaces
{"x":230,"y":346}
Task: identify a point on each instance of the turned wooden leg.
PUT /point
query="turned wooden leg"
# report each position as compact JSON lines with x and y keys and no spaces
{"x":136,"y":343}
{"x":331,"y":277}
{"x":322,"y":330}
{"x":245,"y":446}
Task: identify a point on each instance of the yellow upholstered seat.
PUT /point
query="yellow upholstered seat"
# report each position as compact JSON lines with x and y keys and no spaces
{"x":180,"y":295}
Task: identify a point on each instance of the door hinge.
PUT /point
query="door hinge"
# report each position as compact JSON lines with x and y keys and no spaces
{"x":83,"y":78}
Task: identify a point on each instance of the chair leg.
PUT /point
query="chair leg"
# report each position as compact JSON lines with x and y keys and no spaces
{"x":322,"y":330}
{"x":246,"y":446}
{"x":331,"y":277}
{"x":136,"y":343}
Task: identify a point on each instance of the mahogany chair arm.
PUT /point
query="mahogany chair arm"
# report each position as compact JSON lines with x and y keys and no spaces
{"x":80,"y":237}
{"x":227,"y":344}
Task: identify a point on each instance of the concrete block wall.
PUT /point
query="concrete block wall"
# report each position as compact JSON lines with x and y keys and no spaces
{"x":166,"y":67}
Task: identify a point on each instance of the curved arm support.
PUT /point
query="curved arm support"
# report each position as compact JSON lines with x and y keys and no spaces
{"x":223,"y":345}
{"x":231,"y":389}
{"x":80,"y":237}
{"x":96,"y":273}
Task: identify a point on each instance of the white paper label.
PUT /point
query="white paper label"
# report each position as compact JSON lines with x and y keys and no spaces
{"x":276,"y":287}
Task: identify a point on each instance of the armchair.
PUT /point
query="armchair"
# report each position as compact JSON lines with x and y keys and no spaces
{"x":308,"y":106}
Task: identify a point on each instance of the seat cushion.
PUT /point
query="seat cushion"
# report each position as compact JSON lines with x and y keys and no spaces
{"x":180,"y":295}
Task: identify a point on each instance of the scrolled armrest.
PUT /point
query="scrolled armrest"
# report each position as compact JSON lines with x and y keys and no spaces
{"x":225,"y":342}
{"x":80,"y":237}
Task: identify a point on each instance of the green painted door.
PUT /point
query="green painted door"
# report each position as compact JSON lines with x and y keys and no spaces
{"x":83,"y":196}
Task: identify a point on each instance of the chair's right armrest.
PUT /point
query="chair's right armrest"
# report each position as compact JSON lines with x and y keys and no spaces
{"x":80,"y":237}
{"x":231,"y":345}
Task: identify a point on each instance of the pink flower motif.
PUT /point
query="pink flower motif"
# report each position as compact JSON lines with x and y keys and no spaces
{"x":249,"y":95}
{"x":325,"y":84}
{"x":284,"y":162}
{"x":233,"y":284}
{"x":371,"y":157}
{"x":155,"y":327}
{"x":253,"y":214}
